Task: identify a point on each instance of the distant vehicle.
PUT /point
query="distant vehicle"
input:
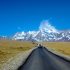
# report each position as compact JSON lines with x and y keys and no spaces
{"x":40,"y":46}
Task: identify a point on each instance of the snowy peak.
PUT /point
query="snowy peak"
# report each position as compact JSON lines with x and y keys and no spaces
{"x":46,"y":26}
{"x":46,"y":32}
{"x":19,"y":35}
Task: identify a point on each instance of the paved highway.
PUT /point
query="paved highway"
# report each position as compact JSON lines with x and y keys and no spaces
{"x":42,"y":59}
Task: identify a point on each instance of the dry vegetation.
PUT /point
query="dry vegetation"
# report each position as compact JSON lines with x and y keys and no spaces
{"x":9,"y":49}
{"x":61,"y":47}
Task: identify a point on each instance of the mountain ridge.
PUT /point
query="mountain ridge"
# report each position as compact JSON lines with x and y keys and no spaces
{"x":46,"y":32}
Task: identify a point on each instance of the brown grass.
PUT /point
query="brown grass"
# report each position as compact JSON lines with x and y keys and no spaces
{"x":61,"y":47}
{"x":10,"y":48}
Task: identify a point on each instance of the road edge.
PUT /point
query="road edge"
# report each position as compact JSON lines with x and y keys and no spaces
{"x":15,"y":62}
{"x":66,"y":58}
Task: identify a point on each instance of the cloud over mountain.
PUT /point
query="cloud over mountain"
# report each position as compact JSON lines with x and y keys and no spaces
{"x":45,"y":25}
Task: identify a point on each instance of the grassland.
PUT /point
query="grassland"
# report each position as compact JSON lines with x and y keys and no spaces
{"x":10,"y":48}
{"x":61,"y":47}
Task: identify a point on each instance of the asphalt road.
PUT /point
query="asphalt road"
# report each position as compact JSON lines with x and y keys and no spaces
{"x":42,"y":59}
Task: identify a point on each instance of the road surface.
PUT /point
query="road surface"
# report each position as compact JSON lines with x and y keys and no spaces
{"x":42,"y":59}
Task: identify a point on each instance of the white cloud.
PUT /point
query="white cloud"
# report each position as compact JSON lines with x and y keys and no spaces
{"x":46,"y":26}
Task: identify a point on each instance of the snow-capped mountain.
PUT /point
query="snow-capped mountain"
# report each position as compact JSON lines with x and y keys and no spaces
{"x":46,"y":32}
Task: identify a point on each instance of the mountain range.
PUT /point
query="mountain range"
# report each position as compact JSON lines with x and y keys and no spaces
{"x":46,"y":32}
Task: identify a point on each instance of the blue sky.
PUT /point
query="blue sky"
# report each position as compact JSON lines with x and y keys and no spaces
{"x":25,"y":15}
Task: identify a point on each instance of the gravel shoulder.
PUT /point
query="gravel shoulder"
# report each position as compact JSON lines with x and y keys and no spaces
{"x":14,"y":62}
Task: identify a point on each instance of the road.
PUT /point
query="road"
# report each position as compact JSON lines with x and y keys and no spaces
{"x":42,"y":59}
